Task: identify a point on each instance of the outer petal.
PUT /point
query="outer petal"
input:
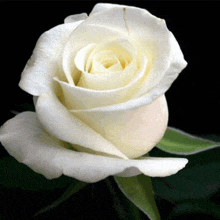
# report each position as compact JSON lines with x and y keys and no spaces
{"x":26,"y":140}
{"x":134,"y":132}
{"x":104,"y":6}
{"x":46,"y":60}
{"x":74,"y":18}
{"x":177,"y":64}
{"x":62,"y":124}
{"x":96,"y":168}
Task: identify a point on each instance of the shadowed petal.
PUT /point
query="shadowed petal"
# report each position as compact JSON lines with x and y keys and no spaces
{"x":62,"y":124}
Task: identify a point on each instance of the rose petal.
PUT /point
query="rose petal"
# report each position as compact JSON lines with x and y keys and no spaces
{"x":74,"y":18}
{"x":26,"y":140}
{"x":176,"y":66}
{"x":97,"y":98}
{"x":156,"y":40}
{"x":140,"y":99}
{"x":100,"y":78}
{"x":46,"y":60}
{"x":149,"y":31}
{"x":96,"y":168}
{"x":81,"y":59}
{"x":159,"y":45}
{"x":80,"y":38}
{"x":134,"y":132}
{"x":103,"y":7}
{"x":59,"y":122}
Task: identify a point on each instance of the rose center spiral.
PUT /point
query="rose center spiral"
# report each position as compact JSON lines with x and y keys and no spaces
{"x":114,"y":57}
{"x":110,"y":65}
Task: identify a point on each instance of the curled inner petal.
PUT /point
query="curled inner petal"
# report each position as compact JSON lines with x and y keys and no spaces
{"x":109,"y":66}
{"x":104,"y":61}
{"x":77,"y":41}
{"x":78,"y":98}
{"x":116,"y":51}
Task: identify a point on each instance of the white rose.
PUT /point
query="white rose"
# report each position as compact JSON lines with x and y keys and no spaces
{"x":99,"y":84}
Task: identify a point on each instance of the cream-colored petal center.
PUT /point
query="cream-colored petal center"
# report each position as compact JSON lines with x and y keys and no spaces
{"x":106,"y":59}
{"x":108,"y":66}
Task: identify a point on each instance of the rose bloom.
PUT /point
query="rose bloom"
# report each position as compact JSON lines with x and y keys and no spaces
{"x":98,"y":83}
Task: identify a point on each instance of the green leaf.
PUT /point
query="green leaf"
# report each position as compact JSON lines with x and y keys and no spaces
{"x":139,"y":191}
{"x":17,"y":175}
{"x":200,"y":179}
{"x":179,"y":142}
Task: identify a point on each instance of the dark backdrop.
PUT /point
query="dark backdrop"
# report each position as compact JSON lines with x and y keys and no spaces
{"x":193,"y":98}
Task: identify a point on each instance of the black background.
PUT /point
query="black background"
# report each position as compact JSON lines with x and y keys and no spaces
{"x":193,"y":98}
